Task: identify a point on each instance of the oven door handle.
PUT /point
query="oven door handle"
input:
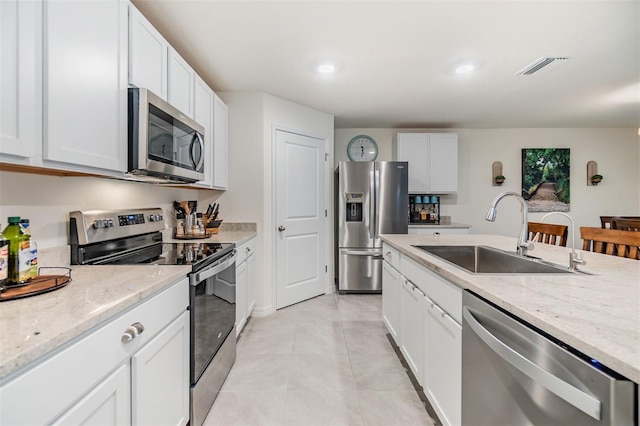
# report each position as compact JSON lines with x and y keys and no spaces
{"x":216,"y":268}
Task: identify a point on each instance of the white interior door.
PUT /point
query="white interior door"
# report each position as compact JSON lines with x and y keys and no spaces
{"x":300,"y":209}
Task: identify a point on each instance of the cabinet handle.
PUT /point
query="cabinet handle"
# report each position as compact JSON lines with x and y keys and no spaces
{"x":132,"y":331}
{"x":387,"y":254}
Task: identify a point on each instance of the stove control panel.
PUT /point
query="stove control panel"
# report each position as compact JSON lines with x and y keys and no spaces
{"x":103,"y":223}
{"x":131,"y":219}
{"x":92,"y":226}
{"x":155,"y":218}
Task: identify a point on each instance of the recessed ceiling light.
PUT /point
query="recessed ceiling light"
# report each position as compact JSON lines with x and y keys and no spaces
{"x":465,"y":68}
{"x":326,"y":68}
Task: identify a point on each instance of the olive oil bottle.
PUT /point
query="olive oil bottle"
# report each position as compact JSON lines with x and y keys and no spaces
{"x":19,"y":253}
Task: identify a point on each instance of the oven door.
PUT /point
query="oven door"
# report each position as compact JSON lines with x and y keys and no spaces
{"x":213,"y":311}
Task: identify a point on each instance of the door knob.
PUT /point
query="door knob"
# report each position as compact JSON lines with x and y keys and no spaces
{"x":281,"y":228}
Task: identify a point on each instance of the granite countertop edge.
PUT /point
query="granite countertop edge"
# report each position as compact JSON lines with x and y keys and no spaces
{"x":578,"y":309}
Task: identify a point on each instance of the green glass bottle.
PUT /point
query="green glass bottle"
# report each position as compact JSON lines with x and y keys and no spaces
{"x":4,"y":261}
{"x":19,"y":253}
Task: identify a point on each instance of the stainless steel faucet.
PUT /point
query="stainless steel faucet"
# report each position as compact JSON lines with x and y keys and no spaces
{"x":523,"y":240}
{"x":574,"y":258}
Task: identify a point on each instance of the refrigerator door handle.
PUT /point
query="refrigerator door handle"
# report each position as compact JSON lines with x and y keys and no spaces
{"x":374,"y":254}
{"x":372,"y":205}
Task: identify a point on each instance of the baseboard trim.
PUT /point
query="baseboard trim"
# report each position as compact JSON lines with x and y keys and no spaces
{"x":262,"y":311}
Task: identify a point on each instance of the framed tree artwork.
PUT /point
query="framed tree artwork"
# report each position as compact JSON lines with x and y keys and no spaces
{"x":545,"y":179}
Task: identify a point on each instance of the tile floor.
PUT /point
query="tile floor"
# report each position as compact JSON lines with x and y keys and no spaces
{"x":325,"y":361}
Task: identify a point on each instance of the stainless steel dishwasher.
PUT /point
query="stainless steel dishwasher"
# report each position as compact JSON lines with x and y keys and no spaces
{"x":512,"y":374}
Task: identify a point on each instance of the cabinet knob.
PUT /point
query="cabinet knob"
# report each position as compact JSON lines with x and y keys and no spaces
{"x":248,"y":249}
{"x":132,"y":331}
{"x":281,"y":228}
{"x":387,"y":254}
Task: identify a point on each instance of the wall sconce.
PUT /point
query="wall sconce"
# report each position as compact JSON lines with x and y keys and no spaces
{"x":496,"y":173}
{"x":593,"y":178}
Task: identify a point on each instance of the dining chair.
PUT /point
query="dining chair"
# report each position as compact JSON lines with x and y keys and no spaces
{"x":611,"y":241}
{"x":606,"y":221}
{"x":626,"y":224}
{"x":548,"y":233}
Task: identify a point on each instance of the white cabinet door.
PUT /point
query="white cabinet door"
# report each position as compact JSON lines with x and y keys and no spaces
{"x":251,"y":283}
{"x":203,"y":114}
{"x":443,"y":162}
{"x":21,"y":77}
{"x":411,"y":331}
{"x":107,"y":404}
{"x":433,"y":161}
{"x":160,"y":377}
{"x":220,"y":144}
{"x":85,"y":83}
{"x":241,"y":296}
{"x":391,"y":300}
{"x":443,"y":368}
{"x":414,"y":148}
{"x":148,"y":55}
{"x":181,"y":83}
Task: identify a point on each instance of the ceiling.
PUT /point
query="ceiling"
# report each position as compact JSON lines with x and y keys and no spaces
{"x":396,"y":59}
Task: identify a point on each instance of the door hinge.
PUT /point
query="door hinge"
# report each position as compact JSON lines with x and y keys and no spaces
{"x":326,"y":157}
{"x":326,"y":269}
{"x":325,"y":212}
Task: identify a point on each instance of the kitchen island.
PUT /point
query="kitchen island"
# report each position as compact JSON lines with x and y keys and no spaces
{"x":597,"y":314}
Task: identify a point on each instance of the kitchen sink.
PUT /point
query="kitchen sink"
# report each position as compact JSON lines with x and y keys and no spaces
{"x":488,"y":260}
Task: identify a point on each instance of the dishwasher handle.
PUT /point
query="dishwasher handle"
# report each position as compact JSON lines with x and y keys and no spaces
{"x":574,"y":396}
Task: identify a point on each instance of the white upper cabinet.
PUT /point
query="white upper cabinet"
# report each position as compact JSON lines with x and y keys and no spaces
{"x":433,"y":161}
{"x":85,"y":83}
{"x":148,"y":55}
{"x":181,"y":83}
{"x":21,"y":72}
{"x":203,"y":114}
{"x":220,"y":144}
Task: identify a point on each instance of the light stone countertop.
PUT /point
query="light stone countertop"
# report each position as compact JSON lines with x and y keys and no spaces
{"x":36,"y":326}
{"x":598,"y":314}
{"x":439,"y":225}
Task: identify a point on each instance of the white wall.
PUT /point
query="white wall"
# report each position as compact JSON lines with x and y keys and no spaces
{"x":617,"y":152}
{"x":47,"y":200}
{"x":253,"y":118}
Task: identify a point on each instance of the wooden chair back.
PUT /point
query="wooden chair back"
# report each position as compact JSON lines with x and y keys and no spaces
{"x":606,"y":222}
{"x":626,"y":224}
{"x":611,"y":241}
{"x":548,"y":233}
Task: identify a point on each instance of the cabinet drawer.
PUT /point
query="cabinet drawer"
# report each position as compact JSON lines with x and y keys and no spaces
{"x":245,"y":250}
{"x":391,"y":255}
{"x":445,"y":294}
{"x":57,"y":381}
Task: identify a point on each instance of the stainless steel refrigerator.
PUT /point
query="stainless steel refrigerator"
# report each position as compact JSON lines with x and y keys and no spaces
{"x":371,"y":199}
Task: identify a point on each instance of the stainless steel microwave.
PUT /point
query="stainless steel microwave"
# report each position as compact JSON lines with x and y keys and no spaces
{"x":164,"y":144}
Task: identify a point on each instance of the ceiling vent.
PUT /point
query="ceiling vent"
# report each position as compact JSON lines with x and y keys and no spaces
{"x":544,"y":62}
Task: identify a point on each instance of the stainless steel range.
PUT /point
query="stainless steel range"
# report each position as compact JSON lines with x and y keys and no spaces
{"x":127,"y":237}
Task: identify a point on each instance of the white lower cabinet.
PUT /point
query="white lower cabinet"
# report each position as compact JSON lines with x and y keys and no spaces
{"x":411,"y":320}
{"x":105,"y":378}
{"x":108,"y":404}
{"x":159,"y":376}
{"x":443,"y":363}
{"x":391,"y":299}
{"x":430,"y":338}
{"x":245,"y":283}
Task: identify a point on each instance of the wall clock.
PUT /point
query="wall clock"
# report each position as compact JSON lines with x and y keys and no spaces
{"x":362,"y":148}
